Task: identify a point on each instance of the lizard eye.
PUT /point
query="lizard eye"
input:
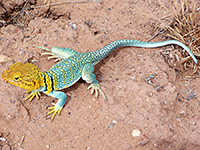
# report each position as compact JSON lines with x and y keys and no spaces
{"x":16,"y":78}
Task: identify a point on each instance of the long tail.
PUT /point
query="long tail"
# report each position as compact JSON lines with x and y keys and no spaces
{"x":100,"y":54}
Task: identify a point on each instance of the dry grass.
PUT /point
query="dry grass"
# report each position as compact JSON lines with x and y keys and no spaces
{"x":15,"y":13}
{"x":20,"y":14}
{"x":185,"y":27}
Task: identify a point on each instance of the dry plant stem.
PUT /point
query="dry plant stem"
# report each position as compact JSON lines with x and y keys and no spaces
{"x":21,"y":10}
{"x":21,"y":142}
{"x":155,"y":35}
{"x":71,"y":2}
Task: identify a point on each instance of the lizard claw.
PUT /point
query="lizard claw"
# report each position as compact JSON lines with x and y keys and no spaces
{"x":32,"y":95}
{"x":52,"y":55}
{"x":49,"y":52}
{"x":54,"y":109}
{"x":96,"y":88}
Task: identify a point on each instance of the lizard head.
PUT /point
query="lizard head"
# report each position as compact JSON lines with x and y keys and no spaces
{"x":26,"y":76}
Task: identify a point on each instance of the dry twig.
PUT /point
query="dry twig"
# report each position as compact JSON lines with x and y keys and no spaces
{"x":70,"y":2}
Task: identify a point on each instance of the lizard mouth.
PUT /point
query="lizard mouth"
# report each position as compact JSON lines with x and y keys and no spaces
{"x":7,"y":78}
{"x":4,"y":75}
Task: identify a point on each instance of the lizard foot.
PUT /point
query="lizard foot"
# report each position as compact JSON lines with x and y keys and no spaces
{"x":32,"y":95}
{"x":54,"y":109}
{"x":96,"y":88}
{"x":49,"y":52}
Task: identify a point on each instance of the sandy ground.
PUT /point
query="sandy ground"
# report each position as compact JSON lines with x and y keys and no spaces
{"x":144,"y":95}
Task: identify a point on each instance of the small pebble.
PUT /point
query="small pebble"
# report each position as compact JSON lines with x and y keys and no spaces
{"x":89,"y":24}
{"x":112,"y":124}
{"x":133,"y":77}
{"x":2,"y":139}
{"x":194,"y":123}
{"x":144,"y":141}
{"x":12,"y":101}
{"x":136,"y":133}
{"x":179,"y":119}
{"x":48,"y":146}
{"x":73,"y":25}
{"x":151,"y":76}
{"x":89,"y":148}
{"x":164,"y":102}
{"x":116,"y":79}
{"x":190,"y":94}
{"x":150,"y":94}
{"x":182,"y":112}
{"x":158,"y":87}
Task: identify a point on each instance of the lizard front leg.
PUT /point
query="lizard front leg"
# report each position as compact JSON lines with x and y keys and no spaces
{"x":90,"y":77}
{"x":33,"y":94}
{"x":62,"y":97}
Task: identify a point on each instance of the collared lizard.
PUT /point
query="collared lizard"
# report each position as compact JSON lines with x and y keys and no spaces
{"x":69,"y":70}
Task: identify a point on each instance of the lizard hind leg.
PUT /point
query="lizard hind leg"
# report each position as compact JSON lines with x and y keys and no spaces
{"x":49,"y":52}
{"x":58,"y":52}
{"x":90,"y":77}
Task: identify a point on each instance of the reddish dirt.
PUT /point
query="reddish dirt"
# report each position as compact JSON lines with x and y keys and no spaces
{"x":153,"y":106}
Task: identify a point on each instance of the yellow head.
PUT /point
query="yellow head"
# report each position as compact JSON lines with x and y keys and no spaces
{"x":26,"y":76}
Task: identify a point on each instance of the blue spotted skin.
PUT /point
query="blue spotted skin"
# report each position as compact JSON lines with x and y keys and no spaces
{"x":74,"y":65}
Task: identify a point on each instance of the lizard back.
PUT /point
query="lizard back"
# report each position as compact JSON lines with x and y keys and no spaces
{"x":67,"y":72}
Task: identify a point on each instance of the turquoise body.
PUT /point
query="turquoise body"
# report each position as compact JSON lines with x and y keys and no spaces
{"x":74,"y":65}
